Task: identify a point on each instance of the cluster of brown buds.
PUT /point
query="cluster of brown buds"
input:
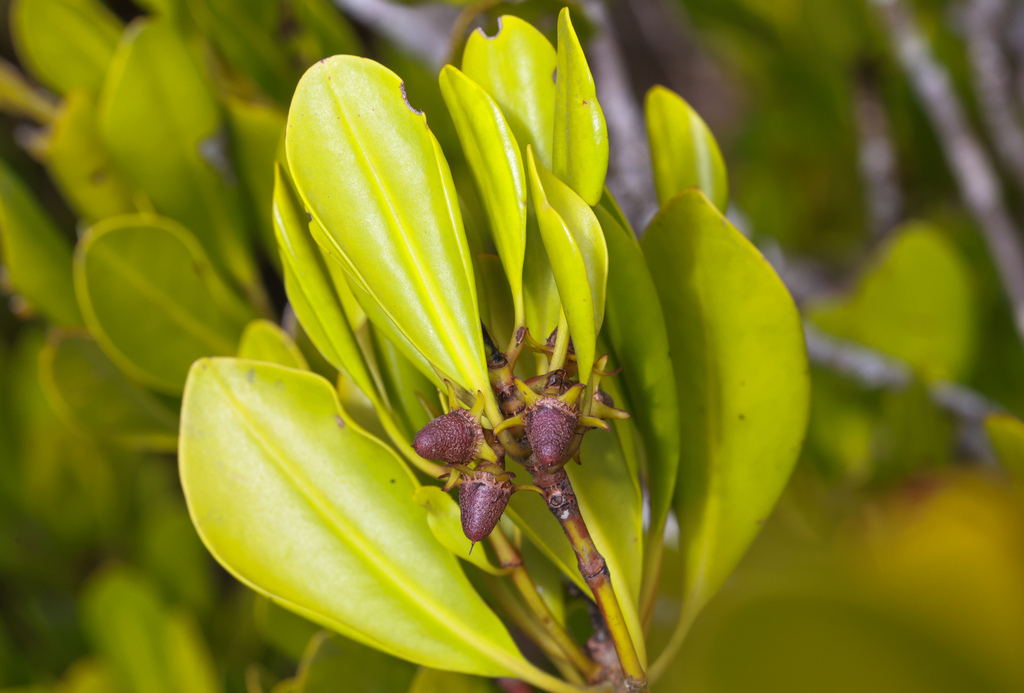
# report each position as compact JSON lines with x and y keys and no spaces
{"x":544,"y":422}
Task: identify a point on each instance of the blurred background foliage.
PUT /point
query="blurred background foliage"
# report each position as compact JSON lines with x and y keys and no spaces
{"x":895,"y":561}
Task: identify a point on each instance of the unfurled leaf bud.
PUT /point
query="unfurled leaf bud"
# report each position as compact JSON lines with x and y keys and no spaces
{"x":453,"y":438}
{"x":550,"y":425}
{"x":482,"y":500}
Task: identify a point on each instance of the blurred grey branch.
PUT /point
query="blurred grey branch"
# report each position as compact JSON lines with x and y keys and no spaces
{"x":421,"y":30}
{"x":974,"y":173}
{"x":877,"y":158}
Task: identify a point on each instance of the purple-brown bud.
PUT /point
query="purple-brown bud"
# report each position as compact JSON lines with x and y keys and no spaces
{"x":453,"y":438}
{"x":482,"y":500}
{"x":550,"y":425}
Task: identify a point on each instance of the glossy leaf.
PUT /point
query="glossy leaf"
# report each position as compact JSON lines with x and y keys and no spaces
{"x":65,"y":44}
{"x":152,"y":300}
{"x":92,"y":395}
{"x":684,"y":153}
{"x":36,"y":254}
{"x":330,"y":660}
{"x":580,"y":149}
{"x":493,"y":156}
{"x":737,"y":347}
{"x":404,"y":384}
{"x":540,"y":292}
{"x":162,"y":126}
{"x":916,"y":302}
{"x":310,"y":290}
{"x":576,"y":248}
{"x":1006,"y":433}
{"x":373,"y":176}
{"x":516,"y":67}
{"x":445,"y":522}
{"x":303,"y":506}
{"x":434,"y":681}
{"x":79,"y":164}
{"x":635,"y":328}
{"x":263,"y":340}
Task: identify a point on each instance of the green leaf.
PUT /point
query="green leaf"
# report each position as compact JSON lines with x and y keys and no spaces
{"x":152,"y":300}
{"x":300,"y":504}
{"x":171,"y":553}
{"x":80,"y":165}
{"x":152,"y":649}
{"x":287,"y":632}
{"x":402,"y":382}
{"x":635,"y":328}
{"x":916,"y":302}
{"x":65,"y":43}
{"x":493,"y":156}
{"x":330,"y":660}
{"x":310,"y":290}
{"x":160,"y":121}
{"x":87,"y":676}
{"x":92,"y":395}
{"x":24,"y":100}
{"x":580,"y":154}
{"x":36,"y":254}
{"x":1006,"y":434}
{"x":332,"y":33}
{"x":576,"y":247}
{"x":263,"y":340}
{"x":445,"y":522}
{"x":373,"y":176}
{"x":540,"y":292}
{"x":434,"y":681}
{"x":516,"y":67}
{"x":737,"y":347}
{"x":684,"y":153}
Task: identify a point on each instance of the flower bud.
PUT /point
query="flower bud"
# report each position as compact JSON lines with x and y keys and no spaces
{"x":453,"y":438}
{"x":550,"y":425}
{"x":482,"y":500}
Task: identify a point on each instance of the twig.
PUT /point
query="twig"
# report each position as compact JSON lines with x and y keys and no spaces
{"x":993,"y":84}
{"x":976,"y":179}
{"x":877,"y":158}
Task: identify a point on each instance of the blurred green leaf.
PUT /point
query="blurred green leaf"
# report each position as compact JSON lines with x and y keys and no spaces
{"x":1006,"y":433}
{"x":263,"y":340}
{"x":434,"y":681}
{"x":79,"y":164}
{"x":445,"y":522}
{"x":172,"y":554}
{"x":373,"y":175}
{"x":37,"y":256}
{"x":87,"y":676}
{"x":516,"y":67}
{"x":494,"y":158}
{"x":91,"y":394}
{"x":162,"y":126}
{"x":684,"y":153}
{"x":329,"y":31}
{"x":635,"y":328}
{"x":738,"y":350}
{"x":580,"y":156}
{"x":24,"y":100}
{"x":288,"y":632}
{"x":916,"y":302}
{"x":402,"y":382}
{"x":152,"y":300}
{"x":576,"y":247}
{"x":330,"y":661}
{"x":65,"y":44}
{"x":267,"y":457}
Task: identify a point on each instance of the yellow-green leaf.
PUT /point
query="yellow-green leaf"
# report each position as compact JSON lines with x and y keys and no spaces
{"x":65,"y":43}
{"x":684,"y":153}
{"x":576,"y":248}
{"x":330,"y":659}
{"x":741,"y":369}
{"x":434,"y":681}
{"x":373,"y":176}
{"x":302,"y":505}
{"x":916,"y":302}
{"x":445,"y":522}
{"x":580,"y":148}
{"x":516,"y":67}
{"x":494,"y":158}
{"x":24,"y":100}
{"x":402,"y":382}
{"x":36,"y":254}
{"x":1007,"y":436}
{"x":263,"y":340}
{"x":152,"y":301}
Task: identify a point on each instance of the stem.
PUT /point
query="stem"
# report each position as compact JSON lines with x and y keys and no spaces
{"x":561,"y":500}
{"x":510,"y":558}
{"x":561,"y":344}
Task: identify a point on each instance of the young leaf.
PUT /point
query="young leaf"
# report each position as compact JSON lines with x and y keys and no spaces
{"x":493,"y":156}
{"x":445,"y":522}
{"x":737,"y":347}
{"x":303,"y":506}
{"x":684,"y":153}
{"x":373,"y":176}
{"x":580,"y":150}
{"x":92,"y":395}
{"x":152,"y":301}
{"x":65,"y":44}
{"x":516,"y":67}
{"x":161,"y":123}
{"x":576,"y":248}
{"x":37,"y":256}
{"x":263,"y":340}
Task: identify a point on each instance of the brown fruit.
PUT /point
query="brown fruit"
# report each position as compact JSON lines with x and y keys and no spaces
{"x":453,"y":438}
{"x":482,"y":500}
{"x":550,"y":425}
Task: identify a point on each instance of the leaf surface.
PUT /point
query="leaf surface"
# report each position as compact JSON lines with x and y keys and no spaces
{"x":263,"y":340}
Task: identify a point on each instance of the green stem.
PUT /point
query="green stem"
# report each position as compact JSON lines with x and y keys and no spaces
{"x":561,"y":344}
